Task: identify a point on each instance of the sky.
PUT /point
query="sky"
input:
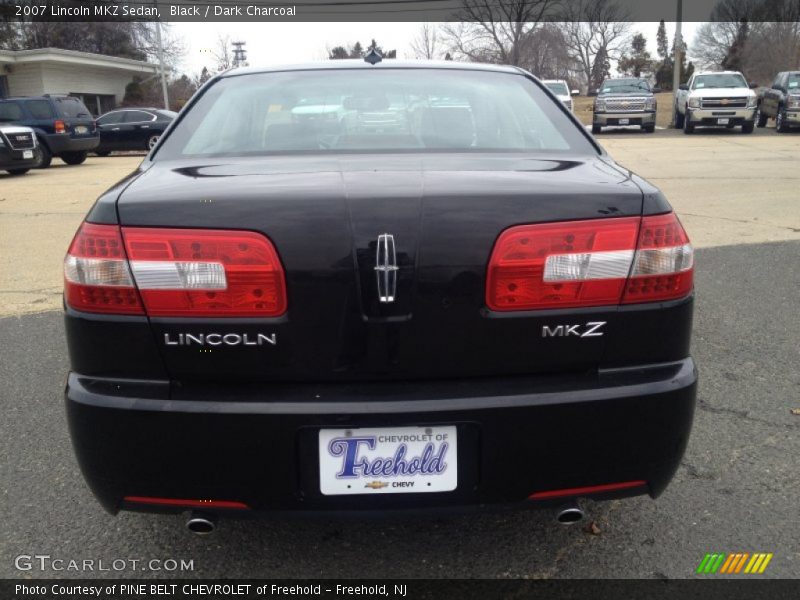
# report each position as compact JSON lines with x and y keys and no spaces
{"x":285,"y":43}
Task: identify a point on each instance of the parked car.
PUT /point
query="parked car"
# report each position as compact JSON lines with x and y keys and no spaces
{"x":19,"y":152}
{"x":561,"y":89}
{"x":625,"y":101}
{"x":266,"y":316}
{"x":64,"y":126}
{"x":716,"y":99}
{"x":780,"y":102}
{"x":132,"y":129}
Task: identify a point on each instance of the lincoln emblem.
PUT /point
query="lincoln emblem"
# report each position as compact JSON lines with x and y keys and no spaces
{"x":386,"y":267}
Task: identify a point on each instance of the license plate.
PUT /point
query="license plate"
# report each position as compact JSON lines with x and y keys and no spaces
{"x":723,"y":121}
{"x":624,"y":121}
{"x":81,"y":129}
{"x":27,"y":154}
{"x":388,"y":460}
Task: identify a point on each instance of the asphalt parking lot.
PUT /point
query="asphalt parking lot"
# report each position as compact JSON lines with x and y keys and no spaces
{"x":736,"y":491}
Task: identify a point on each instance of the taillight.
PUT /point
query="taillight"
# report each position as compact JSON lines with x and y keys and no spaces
{"x":189,"y":272}
{"x":96,"y":273}
{"x":589,"y":263}
{"x":60,"y":127}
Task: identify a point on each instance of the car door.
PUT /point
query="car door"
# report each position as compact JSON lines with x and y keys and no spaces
{"x":772,"y":95}
{"x":109,"y":126}
{"x":138,"y":125}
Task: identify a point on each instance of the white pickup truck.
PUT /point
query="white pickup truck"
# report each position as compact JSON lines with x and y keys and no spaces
{"x":716,"y":99}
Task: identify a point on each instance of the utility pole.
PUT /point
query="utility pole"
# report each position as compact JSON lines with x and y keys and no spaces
{"x":239,"y":54}
{"x":677,"y":46}
{"x":161,"y":63}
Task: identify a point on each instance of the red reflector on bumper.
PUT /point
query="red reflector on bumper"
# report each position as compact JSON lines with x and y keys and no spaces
{"x":583,"y":491}
{"x":186,"y":503}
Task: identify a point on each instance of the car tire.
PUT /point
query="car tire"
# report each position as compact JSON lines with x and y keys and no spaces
{"x":73,"y":158}
{"x":103,"y":152}
{"x":596,"y":129}
{"x":151,"y":141}
{"x":46,"y":157}
{"x":17,"y":171}
{"x":678,"y":119}
{"x":649,"y":128}
{"x":780,"y":121}
{"x":687,"y":125}
{"x":760,"y":118}
{"x":748,"y":126}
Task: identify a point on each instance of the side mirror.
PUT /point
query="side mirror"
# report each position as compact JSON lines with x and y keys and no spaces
{"x":576,"y":92}
{"x":684,"y":87}
{"x":592,"y":93}
{"x":753,"y":85}
{"x":656,"y":90}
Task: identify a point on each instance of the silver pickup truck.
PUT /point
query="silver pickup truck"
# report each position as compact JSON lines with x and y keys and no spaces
{"x":716,"y":99}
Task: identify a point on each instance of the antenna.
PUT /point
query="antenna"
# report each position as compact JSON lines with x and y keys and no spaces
{"x":373,"y":57}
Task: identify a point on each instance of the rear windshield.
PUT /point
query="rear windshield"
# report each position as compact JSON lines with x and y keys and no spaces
{"x":559,"y":89}
{"x":72,"y":107}
{"x":359,"y":110}
{"x":621,"y":86}
{"x":719,"y":80}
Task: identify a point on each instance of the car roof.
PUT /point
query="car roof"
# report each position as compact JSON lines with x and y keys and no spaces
{"x":719,"y":73}
{"x":357,"y":63}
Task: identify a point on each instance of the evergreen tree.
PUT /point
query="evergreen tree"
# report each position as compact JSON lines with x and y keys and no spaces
{"x":639,"y":60}
{"x":662,"y":42}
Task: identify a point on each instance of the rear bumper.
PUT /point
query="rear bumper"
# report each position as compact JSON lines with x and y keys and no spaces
{"x":135,"y":438}
{"x":59,"y":143}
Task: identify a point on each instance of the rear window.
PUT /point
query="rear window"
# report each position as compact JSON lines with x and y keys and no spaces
{"x":10,"y":111}
{"x":559,"y":89}
{"x":359,"y":110}
{"x":40,"y":109}
{"x":72,"y":107}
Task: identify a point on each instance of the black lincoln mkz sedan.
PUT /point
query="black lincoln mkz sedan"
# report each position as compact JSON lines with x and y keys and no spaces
{"x":132,"y":129}
{"x":347,"y":286}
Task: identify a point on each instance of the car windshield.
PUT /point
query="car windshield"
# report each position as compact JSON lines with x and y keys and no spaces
{"x":719,"y":80}
{"x":360,"y":110}
{"x":558,"y":88}
{"x":622,"y":86}
{"x":793,"y":82}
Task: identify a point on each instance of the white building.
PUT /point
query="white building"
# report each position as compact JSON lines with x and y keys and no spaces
{"x":97,"y":79}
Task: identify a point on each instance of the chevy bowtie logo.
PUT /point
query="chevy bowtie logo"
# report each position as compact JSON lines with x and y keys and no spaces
{"x":376,"y":485}
{"x":724,"y":101}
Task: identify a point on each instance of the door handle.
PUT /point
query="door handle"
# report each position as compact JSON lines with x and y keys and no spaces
{"x":115,"y":129}
{"x":145,"y":126}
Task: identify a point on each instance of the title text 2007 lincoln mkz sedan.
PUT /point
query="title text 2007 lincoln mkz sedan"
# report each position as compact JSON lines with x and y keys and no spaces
{"x":348,"y":286}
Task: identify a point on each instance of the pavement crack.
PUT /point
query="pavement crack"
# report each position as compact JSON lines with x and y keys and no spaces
{"x":742,"y":414}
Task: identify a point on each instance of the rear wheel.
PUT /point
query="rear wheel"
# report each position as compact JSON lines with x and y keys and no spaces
{"x":748,"y":126}
{"x":679,"y":118}
{"x":151,"y":141}
{"x":46,"y":156}
{"x":73,"y":158}
{"x":596,"y":129}
{"x":17,"y":171}
{"x":649,"y":128}
{"x":761,"y":118}
{"x":780,"y":121}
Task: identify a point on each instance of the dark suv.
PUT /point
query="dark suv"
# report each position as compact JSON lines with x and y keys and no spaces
{"x":63,"y":125}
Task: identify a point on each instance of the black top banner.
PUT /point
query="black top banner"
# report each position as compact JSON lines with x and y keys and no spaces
{"x":401,"y":10}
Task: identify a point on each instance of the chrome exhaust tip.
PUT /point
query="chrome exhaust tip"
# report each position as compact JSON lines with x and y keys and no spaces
{"x":569,"y":514}
{"x":201,"y":524}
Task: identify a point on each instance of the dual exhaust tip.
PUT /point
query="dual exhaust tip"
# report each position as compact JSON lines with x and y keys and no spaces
{"x":201,"y":523}
{"x":569,"y":514}
{"x":205,"y":524}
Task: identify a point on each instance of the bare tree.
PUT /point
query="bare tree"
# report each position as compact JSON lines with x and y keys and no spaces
{"x":495,"y":30}
{"x":223,"y":53}
{"x":595,"y":28}
{"x":425,"y":45}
